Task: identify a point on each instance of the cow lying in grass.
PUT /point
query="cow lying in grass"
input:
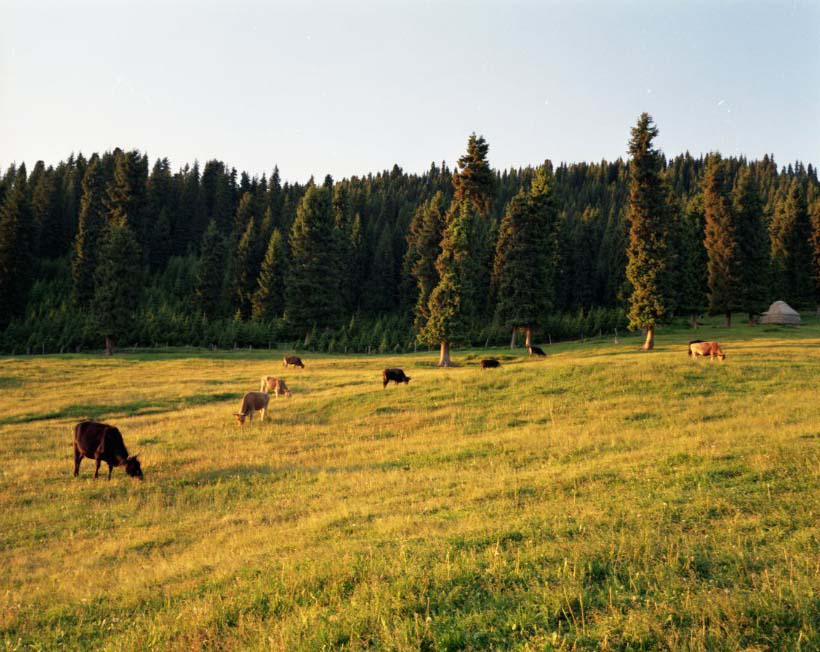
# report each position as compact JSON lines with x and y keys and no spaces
{"x":103,"y":443}
{"x":490,"y":364}
{"x":276,"y":385}
{"x":701,"y":348}
{"x":253,"y":402}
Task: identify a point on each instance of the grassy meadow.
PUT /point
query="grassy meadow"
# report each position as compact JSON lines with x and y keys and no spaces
{"x":600,"y":499}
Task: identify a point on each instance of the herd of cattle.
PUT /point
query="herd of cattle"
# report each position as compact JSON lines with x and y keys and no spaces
{"x":103,"y":443}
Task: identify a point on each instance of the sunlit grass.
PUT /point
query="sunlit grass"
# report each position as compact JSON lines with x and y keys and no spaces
{"x":599,"y":499}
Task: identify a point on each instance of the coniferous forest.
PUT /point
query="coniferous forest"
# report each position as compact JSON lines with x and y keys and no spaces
{"x":117,"y":250}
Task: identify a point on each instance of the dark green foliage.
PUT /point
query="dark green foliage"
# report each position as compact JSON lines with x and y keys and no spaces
{"x":243,"y":279}
{"x":649,"y":229}
{"x":117,"y":282}
{"x":523,"y":274}
{"x":381,"y":295}
{"x":474,"y":181}
{"x":87,"y":242}
{"x":752,"y":240}
{"x":449,"y":309}
{"x":125,"y":200}
{"x":268,"y":301}
{"x":423,"y":250}
{"x":790,"y":235}
{"x":16,"y":248}
{"x":815,"y":248}
{"x":47,"y":216}
{"x":312,"y":292}
{"x":722,"y":250}
{"x":210,"y":273}
{"x":692,"y":280}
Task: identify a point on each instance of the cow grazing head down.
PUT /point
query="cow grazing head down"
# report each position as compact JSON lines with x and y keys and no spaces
{"x":133,"y":468}
{"x":240,"y":417}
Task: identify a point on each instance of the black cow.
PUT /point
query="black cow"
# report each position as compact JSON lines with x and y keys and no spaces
{"x":490,"y":364}
{"x":293,"y":360}
{"x":103,"y":443}
{"x":537,"y":350}
{"x":396,"y":375}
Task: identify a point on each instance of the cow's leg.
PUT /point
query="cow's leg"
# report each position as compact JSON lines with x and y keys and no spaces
{"x":98,"y":461}
{"x":110,"y":468}
{"x":264,"y":412}
{"x":78,"y":457}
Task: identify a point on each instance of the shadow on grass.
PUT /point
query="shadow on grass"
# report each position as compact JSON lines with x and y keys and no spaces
{"x":128,"y":409}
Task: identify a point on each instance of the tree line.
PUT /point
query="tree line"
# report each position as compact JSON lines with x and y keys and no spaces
{"x":113,"y":249}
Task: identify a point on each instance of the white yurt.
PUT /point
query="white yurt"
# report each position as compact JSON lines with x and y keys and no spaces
{"x":780,"y":312}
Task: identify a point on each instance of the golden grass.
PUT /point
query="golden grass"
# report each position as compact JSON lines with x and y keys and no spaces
{"x":599,"y":499}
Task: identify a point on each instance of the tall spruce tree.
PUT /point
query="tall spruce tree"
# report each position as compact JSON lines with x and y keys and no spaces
{"x":691,"y":273}
{"x":474,"y":181}
{"x":815,"y":249}
{"x":269,"y":298}
{"x":312,"y":294}
{"x":423,"y":249}
{"x":210,"y":273}
{"x":790,"y":236}
{"x":523,"y":277}
{"x":648,"y":234}
{"x":243,"y":277}
{"x":89,"y":233}
{"x":723,"y":259}
{"x":125,"y":199}
{"x":16,"y":248}
{"x":117,"y":283}
{"x":449,"y":310}
{"x":752,"y":239}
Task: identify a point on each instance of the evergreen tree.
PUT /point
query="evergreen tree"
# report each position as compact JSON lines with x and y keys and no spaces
{"x":752,"y":242}
{"x":210,"y":274}
{"x":382,"y":291}
{"x":269,"y":298}
{"x":312,"y":293}
{"x":523,"y":277}
{"x":474,"y":181}
{"x":691,"y":272}
{"x":649,"y":233}
{"x":448,"y":307}
{"x":45,"y":206}
{"x":87,"y":242}
{"x":126,"y":194}
{"x":16,"y":249}
{"x":243,"y":271}
{"x":117,"y":283}
{"x":423,"y":250}
{"x":790,"y":235}
{"x":815,"y":247}
{"x":722,"y":250}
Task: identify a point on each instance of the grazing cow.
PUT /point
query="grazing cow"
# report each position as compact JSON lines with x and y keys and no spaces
{"x":536,"y":350}
{"x":712,"y":349}
{"x":253,"y":402}
{"x":103,"y":443}
{"x":396,"y":375}
{"x":275,"y":385}
{"x":490,"y":364}
{"x":293,"y":360}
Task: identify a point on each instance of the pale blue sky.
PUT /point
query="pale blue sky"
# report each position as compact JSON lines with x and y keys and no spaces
{"x":353,"y":87}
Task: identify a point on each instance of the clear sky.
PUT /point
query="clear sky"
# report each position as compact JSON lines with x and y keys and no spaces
{"x":351,"y":87}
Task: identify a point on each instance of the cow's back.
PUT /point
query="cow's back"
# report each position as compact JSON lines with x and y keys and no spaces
{"x":88,"y":435}
{"x":255,"y":401}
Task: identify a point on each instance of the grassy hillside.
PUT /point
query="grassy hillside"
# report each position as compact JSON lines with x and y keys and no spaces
{"x":602,"y":498}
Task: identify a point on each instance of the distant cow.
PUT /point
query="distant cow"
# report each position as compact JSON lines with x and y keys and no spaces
{"x":712,"y":349}
{"x":490,"y":364}
{"x":396,"y":375}
{"x":275,"y":385}
{"x":293,"y":360}
{"x":536,"y":350}
{"x":103,"y":443}
{"x":253,"y":402}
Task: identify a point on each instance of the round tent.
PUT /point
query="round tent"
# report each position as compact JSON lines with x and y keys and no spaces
{"x":780,"y":312}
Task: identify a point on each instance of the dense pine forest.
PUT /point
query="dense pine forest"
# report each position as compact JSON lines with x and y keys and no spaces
{"x":115,"y":250}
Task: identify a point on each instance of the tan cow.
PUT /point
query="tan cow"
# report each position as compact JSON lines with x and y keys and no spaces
{"x":253,"y":402}
{"x":712,"y":349}
{"x":275,"y":385}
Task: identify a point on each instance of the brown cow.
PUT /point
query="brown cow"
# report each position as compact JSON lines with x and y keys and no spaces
{"x":253,"y":402}
{"x":293,"y":360}
{"x":103,"y":443}
{"x":275,"y":385}
{"x":396,"y":375}
{"x":712,"y":349}
{"x":492,"y":363}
